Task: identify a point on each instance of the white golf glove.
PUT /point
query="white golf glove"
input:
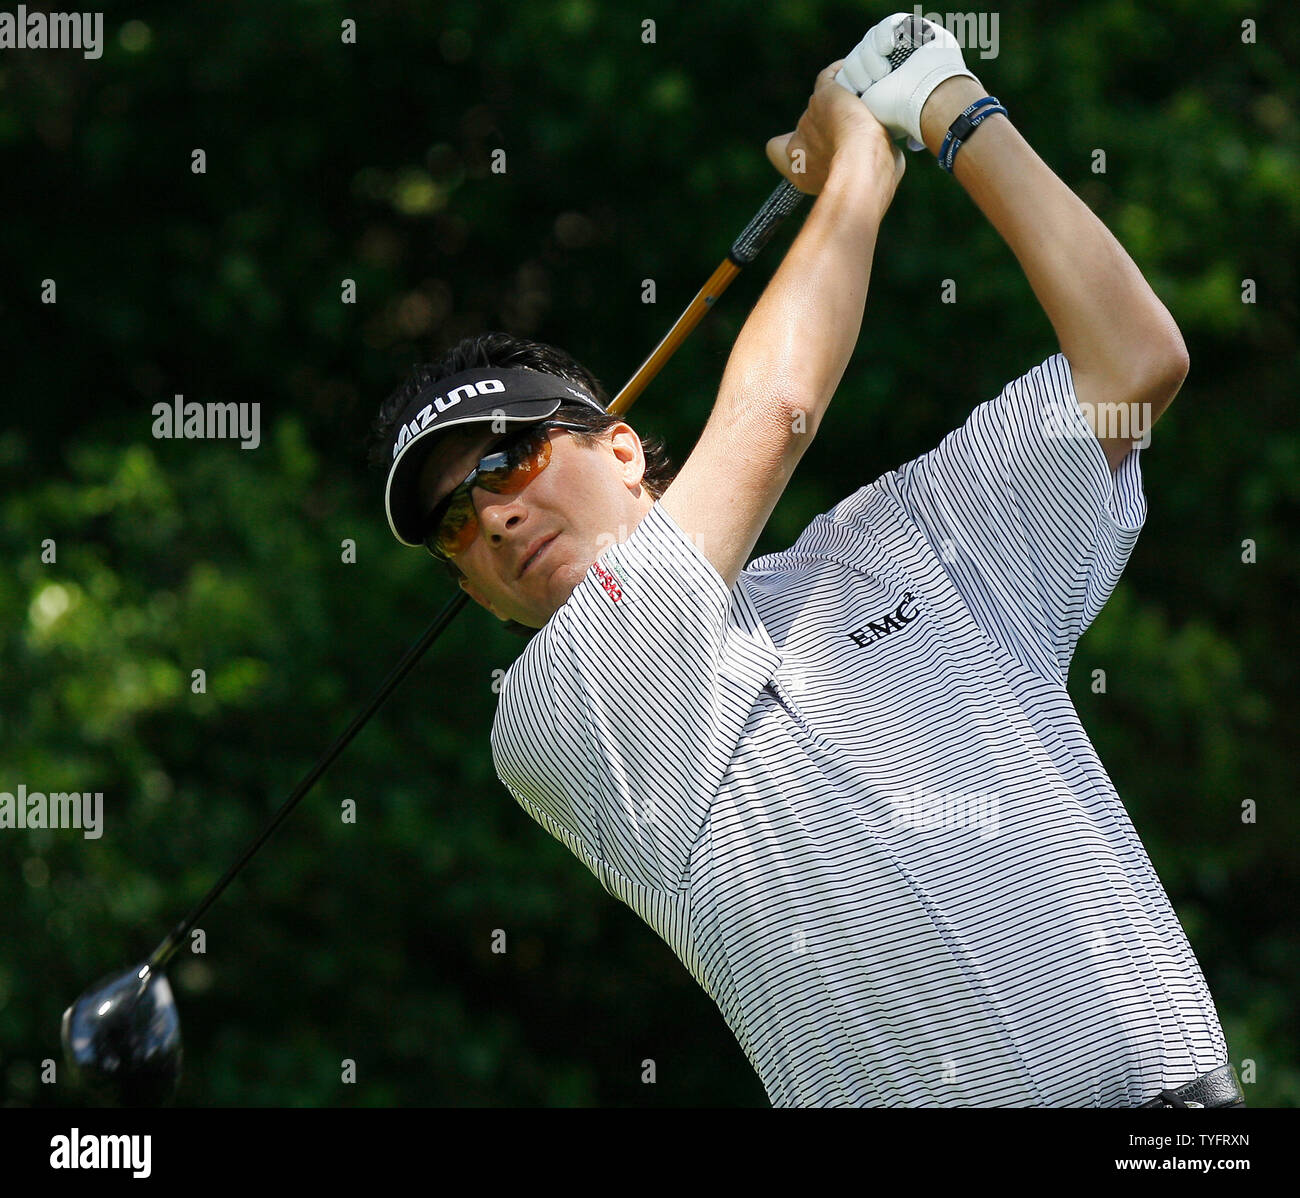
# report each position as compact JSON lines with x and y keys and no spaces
{"x":896,"y":67}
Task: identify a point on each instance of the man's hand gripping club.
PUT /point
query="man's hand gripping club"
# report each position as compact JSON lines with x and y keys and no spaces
{"x":895,"y":68}
{"x":834,"y":123}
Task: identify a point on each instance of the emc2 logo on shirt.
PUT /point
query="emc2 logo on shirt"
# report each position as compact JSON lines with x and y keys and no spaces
{"x":890,"y":622}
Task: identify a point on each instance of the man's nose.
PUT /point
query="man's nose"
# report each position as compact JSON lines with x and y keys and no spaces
{"x":497,"y":513}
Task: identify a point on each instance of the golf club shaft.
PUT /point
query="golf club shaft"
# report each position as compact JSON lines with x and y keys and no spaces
{"x":176,"y":937}
{"x":743,"y":251}
{"x":784,"y":200}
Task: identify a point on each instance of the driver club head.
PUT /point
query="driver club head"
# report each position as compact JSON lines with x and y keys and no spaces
{"x":122,"y":1039}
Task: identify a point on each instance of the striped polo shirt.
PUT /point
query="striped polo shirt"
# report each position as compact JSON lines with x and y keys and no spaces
{"x":851,"y":793}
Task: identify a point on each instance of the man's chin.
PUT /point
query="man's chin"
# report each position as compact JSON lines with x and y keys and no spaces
{"x":559,"y":587}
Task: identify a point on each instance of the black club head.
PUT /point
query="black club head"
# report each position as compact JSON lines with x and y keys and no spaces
{"x":122,"y":1040}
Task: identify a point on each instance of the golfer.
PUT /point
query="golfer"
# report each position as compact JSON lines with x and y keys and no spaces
{"x":845,"y":782}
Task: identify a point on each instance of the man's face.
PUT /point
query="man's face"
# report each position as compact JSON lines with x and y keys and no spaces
{"x":586,"y":499}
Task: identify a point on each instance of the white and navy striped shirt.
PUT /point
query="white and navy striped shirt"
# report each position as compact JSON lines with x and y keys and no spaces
{"x":852,"y":794}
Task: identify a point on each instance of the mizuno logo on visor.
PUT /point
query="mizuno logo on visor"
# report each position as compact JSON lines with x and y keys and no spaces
{"x":440,"y":404}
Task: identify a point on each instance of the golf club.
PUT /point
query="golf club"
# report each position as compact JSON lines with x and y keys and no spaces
{"x":122,"y":1037}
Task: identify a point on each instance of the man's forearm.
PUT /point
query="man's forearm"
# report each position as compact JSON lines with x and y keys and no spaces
{"x":796,"y":344}
{"x":1107,"y":319}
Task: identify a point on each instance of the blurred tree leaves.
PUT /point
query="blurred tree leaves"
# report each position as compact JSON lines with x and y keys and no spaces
{"x":626,"y":161}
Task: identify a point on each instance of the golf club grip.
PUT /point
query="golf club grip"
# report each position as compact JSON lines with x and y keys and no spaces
{"x":783,"y":201}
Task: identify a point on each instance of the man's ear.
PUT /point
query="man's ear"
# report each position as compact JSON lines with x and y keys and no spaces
{"x":626,"y":444}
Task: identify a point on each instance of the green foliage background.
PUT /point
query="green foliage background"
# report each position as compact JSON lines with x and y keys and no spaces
{"x":626,"y":161}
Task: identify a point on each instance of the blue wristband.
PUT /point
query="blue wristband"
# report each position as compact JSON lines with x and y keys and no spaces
{"x":961,"y":128}
{"x":964,"y":126}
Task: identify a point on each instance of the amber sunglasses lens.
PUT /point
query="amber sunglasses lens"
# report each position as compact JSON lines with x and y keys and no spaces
{"x":521,"y":462}
{"x":524,"y":461}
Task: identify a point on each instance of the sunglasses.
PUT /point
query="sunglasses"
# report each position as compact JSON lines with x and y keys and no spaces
{"x":507,"y":470}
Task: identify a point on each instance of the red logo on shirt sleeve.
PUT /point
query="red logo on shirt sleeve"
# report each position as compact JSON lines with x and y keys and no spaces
{"x":609,"y":582}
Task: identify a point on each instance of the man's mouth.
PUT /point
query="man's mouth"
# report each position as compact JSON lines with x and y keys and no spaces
{"x":532,"y":557}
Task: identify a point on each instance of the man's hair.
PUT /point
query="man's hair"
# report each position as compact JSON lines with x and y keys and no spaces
{"x":502,"y":349}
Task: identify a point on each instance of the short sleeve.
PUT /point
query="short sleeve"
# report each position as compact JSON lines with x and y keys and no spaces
{"x":617,"y":724}
{"x":1020,"y":507}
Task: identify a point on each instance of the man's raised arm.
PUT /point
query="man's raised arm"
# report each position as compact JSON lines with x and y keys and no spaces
{"x":1121,"y":342}
{"x":796,"y":343}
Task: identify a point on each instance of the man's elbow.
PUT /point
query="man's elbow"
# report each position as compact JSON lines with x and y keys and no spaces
{"x":1173,"y":363}
{"x":1143,"y":355}
{"x":1167,"y":370}
{"x":1153,"y":384}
